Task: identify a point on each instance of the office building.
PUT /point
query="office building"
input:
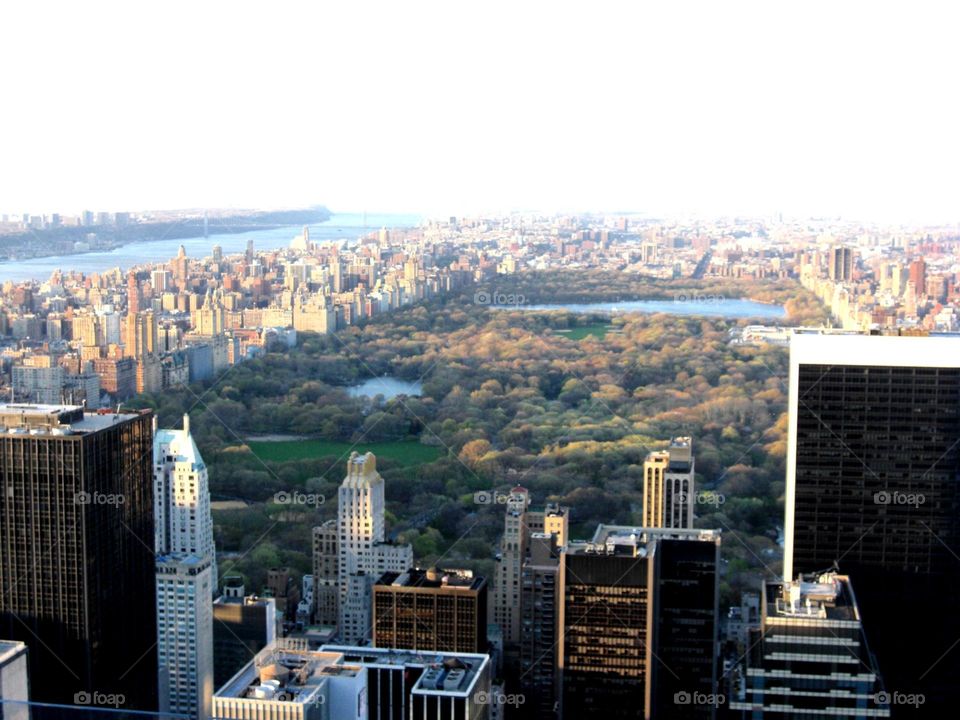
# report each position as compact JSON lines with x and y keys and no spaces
{"x":811,"y":658}
{"x":669,"y":490}
{"x":840,"y":264}
{"x":363,"y":554}
{"x":539,"y":611}
{"x":637,"y":602}
{"x":326,"y":563}
{"x":186,"y":573}
{"x":77,"y":564}
{"x":14,"y":681}
{"x":242,"y":626}
{"x":441,"y":610}
{"x":287,"y":681}
{"x":520,"y":522}
{"x":873,"y":485}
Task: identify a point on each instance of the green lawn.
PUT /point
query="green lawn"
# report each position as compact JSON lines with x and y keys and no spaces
{"x":408,"y":452}
{"x":579,"y":333}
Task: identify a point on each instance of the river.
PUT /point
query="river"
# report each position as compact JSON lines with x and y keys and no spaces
{"x":340,"y":226}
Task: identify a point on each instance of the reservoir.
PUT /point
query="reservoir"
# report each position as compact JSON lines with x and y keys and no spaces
{"x":732,"y":308}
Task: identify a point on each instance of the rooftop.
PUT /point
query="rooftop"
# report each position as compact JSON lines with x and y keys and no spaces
{"x":9,"y":649}
{"x":632,"y":541}
{"x":825,"y":597}
{"x":438,"y":666}
{"x":285,"y":673}
{"x":433,"y":578}
{"x":39,"y":419}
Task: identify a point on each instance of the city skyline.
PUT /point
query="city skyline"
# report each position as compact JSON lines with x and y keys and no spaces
{"x":744,"y":109}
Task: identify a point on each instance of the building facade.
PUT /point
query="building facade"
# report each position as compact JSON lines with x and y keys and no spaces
{"x":437,"y":610}
{"x":631,"y":598}
{"x":326,"y":574}
{"x":186,"y":577}
{"x":363,"y":553}
{"x":669,"y":489}
{"x":811,"y":658}
{"x":77,"y":565}
{"x":520,"y":523}
{"x":14,"y":681}
{"x":873,"y":486}
{"x":242,"y":626}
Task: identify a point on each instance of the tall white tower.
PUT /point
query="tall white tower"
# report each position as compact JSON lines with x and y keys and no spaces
{"x":363,"y":554}
{"x":186,"y":574}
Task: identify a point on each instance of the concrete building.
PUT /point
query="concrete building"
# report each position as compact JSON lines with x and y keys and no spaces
{"x":326,"y":575}
{"x":439,"y":610}
{"x":539,"y":612}
{"x":363,"y":554}
{"x":186,"y":574}
{"x":243,"y":625}
{"x":287,"y":681}
{"x":811,"y":658}
{"x":520,"y":522}
{"x":14,"y":681}
{"x":669,"y":489}
{"x":38,"y":384}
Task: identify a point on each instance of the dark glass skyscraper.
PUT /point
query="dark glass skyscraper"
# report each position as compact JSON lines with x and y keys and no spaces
{"x":76,"y":558}
{"x":873,"y":485}
{"x":638,"y":624}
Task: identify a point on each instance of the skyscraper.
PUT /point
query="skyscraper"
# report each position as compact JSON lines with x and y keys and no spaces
{"x":811,"y":658}
{"x":134,"y":295}
{"x":840,"y":265}
{"x":873,"y":484}
{"x":520,"y":522}
{"x":363,"y":553}
{"x":638,"y":623}
{"x":326,"y":574}
{"x":76,"y":564}
{"x":669,"y":491}
{"x":186,"y":573}
{"x":538,"y":679}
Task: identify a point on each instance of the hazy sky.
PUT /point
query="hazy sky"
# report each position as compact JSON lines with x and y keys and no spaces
{"x":449,"y":107}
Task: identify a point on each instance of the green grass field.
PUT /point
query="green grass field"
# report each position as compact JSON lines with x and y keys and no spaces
{"x":408,"y":452}
{"x":579,"y":333}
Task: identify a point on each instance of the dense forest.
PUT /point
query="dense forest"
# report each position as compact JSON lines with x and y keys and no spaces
{"x":566,"y":405}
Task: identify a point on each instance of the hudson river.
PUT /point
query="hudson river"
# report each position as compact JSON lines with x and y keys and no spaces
{"x":340,"y":226}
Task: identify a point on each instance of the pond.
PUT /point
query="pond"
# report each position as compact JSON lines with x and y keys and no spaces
{"x":387,"y":386}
